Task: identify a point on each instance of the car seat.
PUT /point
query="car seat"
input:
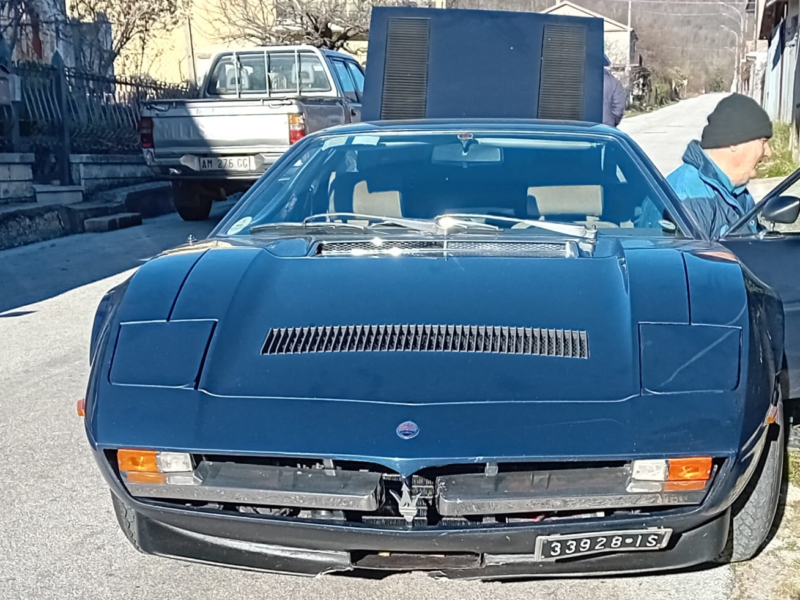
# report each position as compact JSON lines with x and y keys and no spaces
{"x":582,"y":204}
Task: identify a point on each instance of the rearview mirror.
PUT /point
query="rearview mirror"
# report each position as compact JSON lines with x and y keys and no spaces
{"x":474,"y":153}
{"x":781,"y":209}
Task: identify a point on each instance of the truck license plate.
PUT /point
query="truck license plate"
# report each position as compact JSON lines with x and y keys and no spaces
{"x":228,"y":163}
{"x":557,"y":547}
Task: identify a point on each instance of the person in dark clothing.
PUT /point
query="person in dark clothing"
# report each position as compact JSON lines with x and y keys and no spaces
{"x":613,"y":97}
{"x":712,"y":182}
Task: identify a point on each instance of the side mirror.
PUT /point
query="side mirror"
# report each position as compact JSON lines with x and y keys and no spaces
{"x":781,"y":209}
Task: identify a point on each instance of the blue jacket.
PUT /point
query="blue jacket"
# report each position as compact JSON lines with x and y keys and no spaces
{"x":707,"y":193}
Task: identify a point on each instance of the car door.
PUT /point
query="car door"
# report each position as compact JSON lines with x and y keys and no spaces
{"x":773,"y":255}
{"x":348,"y":87}
{"x":358,"y":79}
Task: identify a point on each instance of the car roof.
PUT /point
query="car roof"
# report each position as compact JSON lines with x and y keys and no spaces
{"x":289,"y":48}
{"x":497,"y":125}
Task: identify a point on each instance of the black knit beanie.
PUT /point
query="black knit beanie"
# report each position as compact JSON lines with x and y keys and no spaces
{"x":736,"y":120}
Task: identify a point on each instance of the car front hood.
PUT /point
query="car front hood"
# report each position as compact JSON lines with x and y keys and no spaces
{"x":349,"y":404}
{"x":595,"y":300}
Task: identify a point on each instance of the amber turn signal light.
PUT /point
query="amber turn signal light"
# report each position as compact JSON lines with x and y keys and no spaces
{"x":82,"y":407}
{"x":696,"y":468}
{"x":141,"y":461}
{"x":140,"y":477}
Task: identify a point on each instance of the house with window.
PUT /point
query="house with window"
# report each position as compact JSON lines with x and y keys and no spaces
{"x":778,"y":79}
{"x":620,"y":40}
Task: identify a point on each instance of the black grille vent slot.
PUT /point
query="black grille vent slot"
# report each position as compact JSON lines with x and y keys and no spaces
{"x":428,"y":338}
{"x":405,"y":75}
{"x":561,"y":84}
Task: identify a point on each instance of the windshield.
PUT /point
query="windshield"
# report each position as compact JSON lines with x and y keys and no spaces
{"x":588,"y":180}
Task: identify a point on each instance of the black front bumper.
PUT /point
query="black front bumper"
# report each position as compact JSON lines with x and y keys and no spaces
{"x":503,"y":552}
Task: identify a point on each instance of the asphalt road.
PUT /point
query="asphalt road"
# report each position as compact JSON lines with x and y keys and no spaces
{"x":664,"y":134}
{"x":58,"y":535}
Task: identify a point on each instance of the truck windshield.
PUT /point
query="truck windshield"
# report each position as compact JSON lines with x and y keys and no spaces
{"x":587,"y":180}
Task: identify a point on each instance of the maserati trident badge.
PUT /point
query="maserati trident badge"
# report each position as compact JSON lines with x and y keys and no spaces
{"x":407,"y":430}
{"x":406,"y":502}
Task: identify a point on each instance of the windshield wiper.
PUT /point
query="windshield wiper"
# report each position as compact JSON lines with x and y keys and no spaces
{"x":303,"y":225}
{"x":571,"y":230}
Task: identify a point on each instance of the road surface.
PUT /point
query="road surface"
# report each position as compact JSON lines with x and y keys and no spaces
{"x":664,"y":134}
{"x":58,"y":535}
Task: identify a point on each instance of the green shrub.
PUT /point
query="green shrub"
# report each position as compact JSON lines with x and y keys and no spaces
{"x":781,"y":163}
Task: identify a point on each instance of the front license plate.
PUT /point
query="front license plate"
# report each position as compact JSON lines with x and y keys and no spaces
{"x":557,"y":547}
{"x":228,"y":163}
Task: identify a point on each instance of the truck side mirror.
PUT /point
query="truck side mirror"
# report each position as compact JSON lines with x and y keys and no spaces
{"x":781,"y":209}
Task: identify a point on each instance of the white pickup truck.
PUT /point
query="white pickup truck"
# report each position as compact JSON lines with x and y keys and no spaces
{"x":253,"y":105}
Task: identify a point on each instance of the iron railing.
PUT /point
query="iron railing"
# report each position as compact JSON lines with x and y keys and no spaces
{"x":103,"y":112}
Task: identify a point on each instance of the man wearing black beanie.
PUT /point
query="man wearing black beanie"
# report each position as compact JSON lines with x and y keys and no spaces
{"x":713,"y":179}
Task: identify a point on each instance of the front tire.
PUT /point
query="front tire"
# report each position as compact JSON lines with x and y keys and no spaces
{"x":126,"y":517}
{"x":754,"y":511}
{"x":191,"y":202}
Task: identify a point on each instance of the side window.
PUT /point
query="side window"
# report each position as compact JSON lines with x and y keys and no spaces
{"x":348,"y":87}
{"x":223,"y":78}
{"x":252,"y":73}
{"x":312,"y":74}
{"x":250,"y":78}
{"x":283,"y":73}
{"x":358,"y":77}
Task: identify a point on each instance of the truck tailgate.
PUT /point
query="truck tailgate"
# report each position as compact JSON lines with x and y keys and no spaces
{"x":220,"y":127}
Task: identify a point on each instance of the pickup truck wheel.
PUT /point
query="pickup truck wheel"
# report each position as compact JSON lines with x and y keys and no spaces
{"x":126,"y":517}
{"x":754,"y":511}
{"x":192,"y":203}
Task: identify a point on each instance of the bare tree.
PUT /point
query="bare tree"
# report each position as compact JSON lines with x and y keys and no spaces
{"x":12,"y":15}
{"x":321,"y":23}
{"x":133,"y":23}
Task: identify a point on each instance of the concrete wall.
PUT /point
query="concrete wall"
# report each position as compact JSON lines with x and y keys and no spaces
{"x":98,"y":172}
{"x":16,"y":178}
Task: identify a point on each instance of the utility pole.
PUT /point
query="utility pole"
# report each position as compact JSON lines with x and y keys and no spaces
{"x":736,"y":70}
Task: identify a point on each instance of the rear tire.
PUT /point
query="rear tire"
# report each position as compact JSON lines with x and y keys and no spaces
{"x":753,"y":513}
{"x":126,"y":517}
{"x":191,"y":202}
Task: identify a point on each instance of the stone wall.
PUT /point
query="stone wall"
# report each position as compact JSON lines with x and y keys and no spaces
{"x":99,"y":172}
{"x":16,"y":178}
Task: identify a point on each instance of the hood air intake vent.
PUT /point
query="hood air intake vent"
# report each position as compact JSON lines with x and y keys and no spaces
{"x":428,"y":338}
{"x":448,"y":247}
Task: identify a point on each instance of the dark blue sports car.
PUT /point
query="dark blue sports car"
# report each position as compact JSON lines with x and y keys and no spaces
{"x":451,"y":347}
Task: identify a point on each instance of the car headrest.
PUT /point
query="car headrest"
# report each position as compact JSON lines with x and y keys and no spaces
{"x":384,"y":204}
{"x":566,"y":200}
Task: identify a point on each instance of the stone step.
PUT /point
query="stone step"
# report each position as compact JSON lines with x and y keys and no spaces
{"x":112,"y":222}
{"x":28,"y":223}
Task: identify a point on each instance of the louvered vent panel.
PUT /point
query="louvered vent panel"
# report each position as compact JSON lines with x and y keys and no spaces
{"x":561,"y":87}
{"x":405,"y":75}
{"x":414,"y":247}
{"x":428,"y":338}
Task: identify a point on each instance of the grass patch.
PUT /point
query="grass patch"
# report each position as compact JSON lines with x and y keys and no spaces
{"x":633,"y":113}
{"x":781,"y":163}
{"x":794,"y":468}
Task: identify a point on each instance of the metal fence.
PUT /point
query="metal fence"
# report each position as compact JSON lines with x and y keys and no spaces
{"x":65,"y":110}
